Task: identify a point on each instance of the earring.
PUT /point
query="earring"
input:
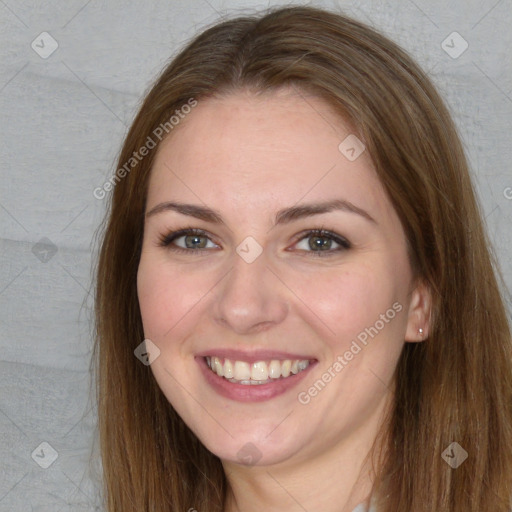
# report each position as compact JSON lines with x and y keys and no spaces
{"x":420,"y":332}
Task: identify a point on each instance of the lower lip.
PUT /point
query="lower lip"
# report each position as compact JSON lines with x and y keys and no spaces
{"x":251,"y":392}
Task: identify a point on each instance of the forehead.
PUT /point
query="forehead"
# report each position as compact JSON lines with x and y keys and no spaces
{"x":247,"y":152}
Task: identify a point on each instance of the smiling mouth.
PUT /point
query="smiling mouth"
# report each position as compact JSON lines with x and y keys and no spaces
{"x":257,"y":373}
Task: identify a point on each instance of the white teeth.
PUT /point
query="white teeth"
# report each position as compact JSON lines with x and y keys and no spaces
{"x":249,"y":382}
{"x":217,"y":365}
{"x":302,"y":365}
{"x":285,"y":368}
{"x":241,"y":371}
{"x":260,"y":372}
{"x":274,"y":369}
{"x":228,"y":369}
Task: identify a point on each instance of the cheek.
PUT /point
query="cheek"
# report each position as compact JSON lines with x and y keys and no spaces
{"x":167,"y":296}
{"x":348,"y":303}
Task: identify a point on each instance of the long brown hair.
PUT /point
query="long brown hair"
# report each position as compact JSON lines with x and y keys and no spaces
{"x":454,"y":387}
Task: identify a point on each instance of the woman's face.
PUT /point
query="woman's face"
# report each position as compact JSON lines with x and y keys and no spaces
{"x":309,"y":325}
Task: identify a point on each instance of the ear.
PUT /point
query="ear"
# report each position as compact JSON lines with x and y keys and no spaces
{"x":419,"y":313}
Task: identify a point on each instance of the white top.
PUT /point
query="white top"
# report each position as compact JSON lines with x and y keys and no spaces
{"x":363,"y":508}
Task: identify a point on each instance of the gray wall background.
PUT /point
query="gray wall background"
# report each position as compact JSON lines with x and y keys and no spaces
{"x":63,"y":118}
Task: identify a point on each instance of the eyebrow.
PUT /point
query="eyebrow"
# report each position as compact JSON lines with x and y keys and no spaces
{"x":284,"y":216}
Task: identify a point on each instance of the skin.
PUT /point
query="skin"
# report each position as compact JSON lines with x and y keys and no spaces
{"x":247,"y":157}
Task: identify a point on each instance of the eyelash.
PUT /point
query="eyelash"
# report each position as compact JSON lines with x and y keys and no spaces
{"x":166,"y":241}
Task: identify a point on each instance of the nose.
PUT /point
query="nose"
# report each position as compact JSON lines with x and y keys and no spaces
{"x":251,"y":298}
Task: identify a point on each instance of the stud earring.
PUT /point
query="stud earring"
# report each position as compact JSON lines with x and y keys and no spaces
{"x":420,"y":332}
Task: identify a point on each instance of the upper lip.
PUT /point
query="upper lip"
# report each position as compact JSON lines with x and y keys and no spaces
{"x":253,"y":356}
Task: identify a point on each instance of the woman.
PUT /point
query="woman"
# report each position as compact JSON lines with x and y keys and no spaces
{"x":296,"y":304}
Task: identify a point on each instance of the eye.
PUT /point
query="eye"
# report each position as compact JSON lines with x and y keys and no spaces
{"x":192,"y":240}
{"x":320,"y":242}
